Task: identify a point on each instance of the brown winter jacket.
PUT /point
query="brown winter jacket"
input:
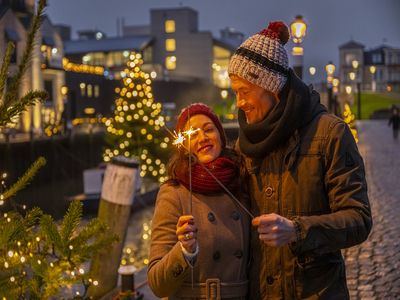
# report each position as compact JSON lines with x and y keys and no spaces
{"x":318,"y":180}
{"x":223,"y":238}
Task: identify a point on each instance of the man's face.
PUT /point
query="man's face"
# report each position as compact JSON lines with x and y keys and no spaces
{"x":255,"y":101}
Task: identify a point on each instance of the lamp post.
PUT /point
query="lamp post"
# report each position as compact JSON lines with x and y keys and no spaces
{"x":330,"y":69}
{"x":372,"y":70}
{"x":353,"y":76}
{"x":298,"y":31}
{"x":335,"y":90}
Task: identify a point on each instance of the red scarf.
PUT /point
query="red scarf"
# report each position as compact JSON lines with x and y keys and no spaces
{"x":224,"y":169}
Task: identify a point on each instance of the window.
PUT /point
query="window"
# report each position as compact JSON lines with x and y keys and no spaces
{"x":90,"y":90}
{"x":82,"y":87}
{"x":376,"y":58}
{"x":170,"y":44}
{"x":349,"y":58}
{"x":96,"y":91}
{"x":12,"y":36}
{"x":170,"y":62}
{"x":169,"y":26}
{"x":48,"y":86}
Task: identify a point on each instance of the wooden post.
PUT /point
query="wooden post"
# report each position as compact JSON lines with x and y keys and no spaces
{"x":118,"y":191}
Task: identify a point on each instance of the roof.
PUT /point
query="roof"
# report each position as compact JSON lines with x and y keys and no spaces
{"x":351,"y":45}
{"x":107,"y":44}
{"x":224,"y":44}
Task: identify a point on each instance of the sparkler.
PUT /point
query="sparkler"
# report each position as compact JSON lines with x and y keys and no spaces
{"x":179,"y":138}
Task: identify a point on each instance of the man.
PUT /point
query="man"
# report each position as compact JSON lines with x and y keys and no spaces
{"x":305,"y":176}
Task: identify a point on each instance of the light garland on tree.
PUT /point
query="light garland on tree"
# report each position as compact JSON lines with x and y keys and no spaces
{"x":349,"y":119}
{"x":134,"y":131}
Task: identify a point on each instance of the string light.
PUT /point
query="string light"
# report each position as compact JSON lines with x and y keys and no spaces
{"x":136,"y":100}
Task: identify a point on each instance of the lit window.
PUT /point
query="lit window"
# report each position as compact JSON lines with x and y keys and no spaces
{"x":169,"y":26}
{"x":82,"y":86}
{"x":90,"y":90}
{"x":96,"y":91}
{"x":89,"y":110}
{"x":170,"y":62}
{"x":170,"y":45}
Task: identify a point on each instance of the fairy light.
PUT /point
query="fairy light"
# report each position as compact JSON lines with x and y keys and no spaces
{"x":135,"y":104}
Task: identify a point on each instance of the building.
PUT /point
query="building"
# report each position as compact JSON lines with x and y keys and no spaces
{"x":46,"y":71}
{"x":376,"y":69}
{"x":191,"y":65}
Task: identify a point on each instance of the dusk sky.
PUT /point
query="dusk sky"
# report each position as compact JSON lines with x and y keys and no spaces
{"x":330,"y":23}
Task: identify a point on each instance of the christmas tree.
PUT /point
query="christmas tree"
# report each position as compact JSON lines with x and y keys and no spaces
{"x":135,"y":131}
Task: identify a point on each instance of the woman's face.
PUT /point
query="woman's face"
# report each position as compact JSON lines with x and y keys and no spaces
{"x":205,"y":143}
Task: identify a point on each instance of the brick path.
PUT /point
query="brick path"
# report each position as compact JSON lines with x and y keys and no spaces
{"x":373,"y":268}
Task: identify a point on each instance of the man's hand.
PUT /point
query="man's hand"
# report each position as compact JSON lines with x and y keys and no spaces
{"x":275,"y":230}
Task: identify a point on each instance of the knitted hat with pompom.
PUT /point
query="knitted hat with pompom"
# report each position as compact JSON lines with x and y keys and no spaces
{"x":262,"y":58}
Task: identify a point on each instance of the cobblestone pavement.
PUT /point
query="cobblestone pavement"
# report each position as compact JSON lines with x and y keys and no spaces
{"x":373,"y":268}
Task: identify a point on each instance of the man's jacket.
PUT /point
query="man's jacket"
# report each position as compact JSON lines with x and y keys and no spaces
{"x":318,"y":180}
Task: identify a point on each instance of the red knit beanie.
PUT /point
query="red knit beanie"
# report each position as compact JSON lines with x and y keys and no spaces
{"x":200,"y":109}
{"x":262,"y":58}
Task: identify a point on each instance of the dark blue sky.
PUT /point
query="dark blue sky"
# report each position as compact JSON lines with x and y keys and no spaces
{"x":331,"y":23}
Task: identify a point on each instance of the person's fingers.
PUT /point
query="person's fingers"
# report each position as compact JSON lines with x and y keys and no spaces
{"x":186,"y":228}
{"x":185,"y":219}
{"x":266,"y":219}
{"x":255,"y":221}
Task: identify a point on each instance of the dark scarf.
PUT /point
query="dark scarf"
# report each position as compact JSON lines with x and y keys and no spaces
{"x":223,"y":168}
{"x":297,"y":107}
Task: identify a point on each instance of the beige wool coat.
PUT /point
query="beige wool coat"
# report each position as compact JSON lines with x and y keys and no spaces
{"x":220,"y":270}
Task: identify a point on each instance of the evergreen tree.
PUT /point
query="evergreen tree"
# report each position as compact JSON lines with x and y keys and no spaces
{"x":135,"y":131}
{"x":38,"y":257}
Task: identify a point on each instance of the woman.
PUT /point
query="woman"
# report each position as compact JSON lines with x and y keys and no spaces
{"x":211,"y":242}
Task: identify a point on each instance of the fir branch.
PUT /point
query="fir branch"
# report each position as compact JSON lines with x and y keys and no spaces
{"x":4,"y":68}
{"x":49,"y":230}
{"x":32,"y":218}
{"x":25,"y":179}
{"x":71,"y":220}
{"x":12,"y":93}
{"x":31,"y":98}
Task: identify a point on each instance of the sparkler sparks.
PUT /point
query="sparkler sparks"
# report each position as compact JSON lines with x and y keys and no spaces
{"x":180,"y":137}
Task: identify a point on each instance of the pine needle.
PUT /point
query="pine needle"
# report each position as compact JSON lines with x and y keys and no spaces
{"x":25,"y":179}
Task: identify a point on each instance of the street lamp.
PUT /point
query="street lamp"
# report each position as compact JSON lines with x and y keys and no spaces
{"x":298,"y":31}
{"x":353,"y":76}
{"x":335,"y":90}
{"x":330,"y":69}
{"x":372,"y":70}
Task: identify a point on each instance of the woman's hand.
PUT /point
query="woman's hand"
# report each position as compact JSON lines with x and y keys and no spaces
{"x":186,"y":232}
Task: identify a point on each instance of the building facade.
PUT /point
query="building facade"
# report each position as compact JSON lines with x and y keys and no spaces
{"x":376,"y":70}
{"x":172,"y":47}
{"x":45,"y":72}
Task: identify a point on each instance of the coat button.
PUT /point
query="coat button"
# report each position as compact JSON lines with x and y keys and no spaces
{"x":269,"y":191}
{"x":211,"y":217}
{"x":238,"y":253}
{"x":216,"y":255}
{"x":177,"y":270}
{"x":270,"y":279}
{"x":235,"y":215}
